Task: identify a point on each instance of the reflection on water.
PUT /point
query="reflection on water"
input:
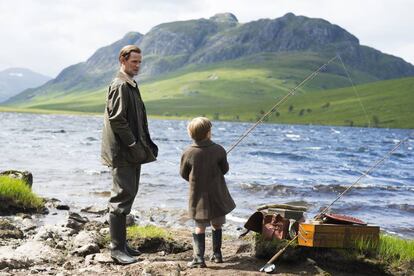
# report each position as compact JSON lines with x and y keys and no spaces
{"x":277,"y":163}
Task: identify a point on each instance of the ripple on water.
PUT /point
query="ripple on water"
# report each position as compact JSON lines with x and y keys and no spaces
{"x":278,"y":155}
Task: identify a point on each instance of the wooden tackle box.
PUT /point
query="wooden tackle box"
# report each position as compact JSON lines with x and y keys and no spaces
{"x":336,"y":235}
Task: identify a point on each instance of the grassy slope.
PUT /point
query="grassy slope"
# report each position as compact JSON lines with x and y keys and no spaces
{"x":242,"y":89}
{"x":389,"y":101}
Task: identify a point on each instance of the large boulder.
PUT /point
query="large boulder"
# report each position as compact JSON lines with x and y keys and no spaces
{"x":30,"y":253}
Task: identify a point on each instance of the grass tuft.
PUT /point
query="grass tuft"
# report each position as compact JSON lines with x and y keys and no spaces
{"x":19,"y":194}
{"x":391,"y":249}
{"x":147,"y":232}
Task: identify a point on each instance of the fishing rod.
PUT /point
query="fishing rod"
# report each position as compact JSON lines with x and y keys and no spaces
{"x":363,"y":175}
{"x":292,"y":91}
{"x":270,"y":267}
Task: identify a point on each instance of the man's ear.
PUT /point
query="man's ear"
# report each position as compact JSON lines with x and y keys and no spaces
{"x":122,"y":59}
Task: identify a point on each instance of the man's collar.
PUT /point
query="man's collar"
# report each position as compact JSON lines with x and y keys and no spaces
{"x":124,"y":76}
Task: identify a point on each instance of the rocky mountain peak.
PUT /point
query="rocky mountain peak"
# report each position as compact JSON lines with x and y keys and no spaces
{"x":132,"y":35}
{"x":289,"y":15}
{"x":224,"y":18}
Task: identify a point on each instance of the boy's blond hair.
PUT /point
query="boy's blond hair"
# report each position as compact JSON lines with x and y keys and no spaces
{"x":198,"y":128}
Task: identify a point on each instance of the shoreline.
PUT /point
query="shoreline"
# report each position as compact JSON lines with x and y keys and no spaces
{"x":163,"y":117}
{"x":79,"y":246}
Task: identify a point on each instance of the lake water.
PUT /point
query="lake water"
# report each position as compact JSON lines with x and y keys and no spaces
{"x":310,"y":165}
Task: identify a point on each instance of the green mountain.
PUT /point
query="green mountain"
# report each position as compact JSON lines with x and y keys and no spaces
{"x":228,"y":70}
{"x":226,"y":92}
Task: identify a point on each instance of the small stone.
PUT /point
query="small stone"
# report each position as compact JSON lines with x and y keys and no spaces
{"x":24,"y":216}
{"x":75,"y":225}
{"x":95,"y":210}
{"x":146,"y":272}
{"x":44,"y":211}
{"x":103,"y":258}
{"x":86,"y":250}
{"x":89,"y":259}
{"x":62,"y":207}
{"x":9,"y":231}
{"x":61,"y":245}
{"x":77,"y":217}
{"x":68,"y":265}
{"x":104,"y":231}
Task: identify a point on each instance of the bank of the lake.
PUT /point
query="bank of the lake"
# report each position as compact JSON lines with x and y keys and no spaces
{"x":384,"y":104}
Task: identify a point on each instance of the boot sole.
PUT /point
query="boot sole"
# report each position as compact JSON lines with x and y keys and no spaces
{"x":214,"y":260}
{"x":197,"y":266}
{"x":116,"y":261}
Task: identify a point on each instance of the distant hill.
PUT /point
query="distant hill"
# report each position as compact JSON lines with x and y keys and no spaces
{"x":173,"y":47}
{"x":223,"y":91}
{"x":15,"y":80}
{"x":226,"y":70}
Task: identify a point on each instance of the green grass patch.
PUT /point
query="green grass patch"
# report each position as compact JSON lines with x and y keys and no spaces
{"x":390,"y":249}
{"x":396,"y":248}
{"x":16,"y":194}
{"x":147,"y":232}
{"x":150,"y":239}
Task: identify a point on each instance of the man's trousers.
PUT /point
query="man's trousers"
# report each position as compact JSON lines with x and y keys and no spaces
{"x":124,"y":189}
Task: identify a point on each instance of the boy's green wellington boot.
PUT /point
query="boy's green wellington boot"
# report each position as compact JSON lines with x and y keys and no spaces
{"x":217,"y":236}
{"x":199,"y":246}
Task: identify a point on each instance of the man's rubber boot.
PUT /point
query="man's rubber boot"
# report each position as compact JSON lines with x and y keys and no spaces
{"x":199,"y":246}
{"x":217,"y":236}
{"x":131,"y":251}
{"x":117,"y":229}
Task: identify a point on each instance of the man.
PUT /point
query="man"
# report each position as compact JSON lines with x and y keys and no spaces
{"x":126,"y":144}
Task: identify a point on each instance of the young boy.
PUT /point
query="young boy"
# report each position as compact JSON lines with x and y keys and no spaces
{"x":203,"y":165}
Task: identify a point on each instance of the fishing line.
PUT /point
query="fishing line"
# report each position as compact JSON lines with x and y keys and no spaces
{"x":293,"y":91}
{"x":311,"y":76}
{"x":355,"y":90}
{"x":364,"y":174}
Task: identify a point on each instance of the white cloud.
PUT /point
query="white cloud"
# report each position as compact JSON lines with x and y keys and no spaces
{"x":49,"y":35}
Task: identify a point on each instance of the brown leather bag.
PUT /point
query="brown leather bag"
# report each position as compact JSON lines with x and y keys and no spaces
{"x":275,"y":227}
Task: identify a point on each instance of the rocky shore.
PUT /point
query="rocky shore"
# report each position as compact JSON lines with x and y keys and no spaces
{"x":59,"y":239}
{"x":79,"y":246}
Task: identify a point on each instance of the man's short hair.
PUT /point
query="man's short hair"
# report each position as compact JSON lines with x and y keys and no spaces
{"x":126,"y":51}
{"x":198,"y":128}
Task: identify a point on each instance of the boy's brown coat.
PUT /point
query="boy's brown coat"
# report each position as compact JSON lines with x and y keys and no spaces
{"x":203,"y":165}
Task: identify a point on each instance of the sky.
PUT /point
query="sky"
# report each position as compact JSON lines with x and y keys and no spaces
{"x":47,"y":36}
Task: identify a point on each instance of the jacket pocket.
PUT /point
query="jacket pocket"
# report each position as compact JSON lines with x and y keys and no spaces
{"x":136,"y":154}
